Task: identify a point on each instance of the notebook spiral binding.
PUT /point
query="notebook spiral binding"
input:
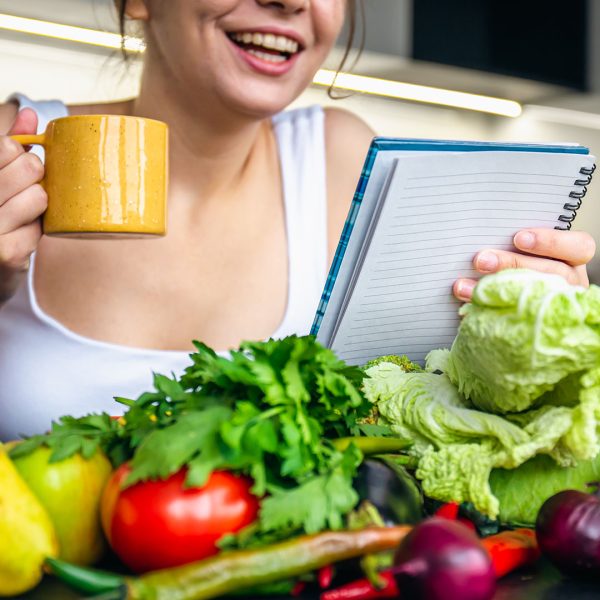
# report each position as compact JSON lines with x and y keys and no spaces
{"x":578,"y":196}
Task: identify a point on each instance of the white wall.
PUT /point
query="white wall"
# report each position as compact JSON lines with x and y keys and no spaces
{"x":95,"y":14}
{"x":62,"y":71}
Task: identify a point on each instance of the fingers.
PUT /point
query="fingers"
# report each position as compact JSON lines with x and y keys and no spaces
{"x":463,"y":289}
{"x":492,"y":261}
{"x":22,"y":172}
{"x":572,"y":247}
{"x":22,"y":198}
{"x":9,"y":151}
{"x":23,"y":208}
{"x":26,"y":122}
{"x":16,"y":247}
{"x":563,"y":253}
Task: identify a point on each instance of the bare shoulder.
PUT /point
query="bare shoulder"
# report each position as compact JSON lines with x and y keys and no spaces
{"x":8,"y":113}
{"x":347,"y":139}
{"x":346,"y":134}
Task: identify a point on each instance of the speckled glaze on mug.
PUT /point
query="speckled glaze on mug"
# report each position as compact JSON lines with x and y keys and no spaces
{"x":105,"y":176}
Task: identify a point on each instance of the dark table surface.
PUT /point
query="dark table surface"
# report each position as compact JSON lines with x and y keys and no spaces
{"x":541,"y":583}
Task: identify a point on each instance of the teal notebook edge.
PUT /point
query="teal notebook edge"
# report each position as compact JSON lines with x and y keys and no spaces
{"x":382,"y":144}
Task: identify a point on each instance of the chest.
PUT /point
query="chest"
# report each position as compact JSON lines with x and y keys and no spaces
{"x":219,"y":276}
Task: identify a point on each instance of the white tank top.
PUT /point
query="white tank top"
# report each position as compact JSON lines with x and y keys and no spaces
{"x":47,"y":370}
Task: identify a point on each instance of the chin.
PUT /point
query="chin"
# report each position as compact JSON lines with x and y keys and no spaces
{"x":262,"y":104}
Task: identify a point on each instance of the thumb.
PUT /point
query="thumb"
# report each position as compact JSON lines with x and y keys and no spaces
{"x":26,"y":122}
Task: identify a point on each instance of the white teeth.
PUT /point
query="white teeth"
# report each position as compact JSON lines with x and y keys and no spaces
{"x":274,"y":58}
{"x":268,"y":40}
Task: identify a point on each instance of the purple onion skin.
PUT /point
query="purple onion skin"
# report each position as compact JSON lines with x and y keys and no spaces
{"x":444,"y":560}
{"x":568,"y":532}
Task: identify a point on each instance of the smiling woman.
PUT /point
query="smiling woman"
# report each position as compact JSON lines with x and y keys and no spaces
{"x":253,"y":218}
{"x":257,"y":199}
{"x":284,"y":48}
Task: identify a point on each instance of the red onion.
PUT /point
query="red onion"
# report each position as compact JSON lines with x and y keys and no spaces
{"x":568,"y":532}
{"x":444,"y":560}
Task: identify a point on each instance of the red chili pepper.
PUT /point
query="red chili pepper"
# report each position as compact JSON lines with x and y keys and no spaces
{"x":448,"y":511}
{"x":508,"y":550}
{"x":363,"y":589}
{"x":468,"y":523}
{"x":512,"y":549}
{"x":298,"y":588}
{"x":325,"y":576}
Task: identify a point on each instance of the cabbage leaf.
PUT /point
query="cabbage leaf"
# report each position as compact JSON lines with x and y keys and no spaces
{"x":458,"y":445}
{"x":521,"y":335}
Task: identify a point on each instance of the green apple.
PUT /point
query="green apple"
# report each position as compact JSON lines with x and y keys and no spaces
{"x":70,"y":491}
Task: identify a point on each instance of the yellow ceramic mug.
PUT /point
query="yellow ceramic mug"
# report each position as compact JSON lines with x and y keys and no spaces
{"x":105,"y":175}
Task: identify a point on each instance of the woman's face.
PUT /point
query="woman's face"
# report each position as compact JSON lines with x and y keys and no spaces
{"x":253,"y":56}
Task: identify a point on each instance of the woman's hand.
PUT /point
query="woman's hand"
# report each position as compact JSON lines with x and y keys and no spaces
{"x":565,"y":253}
{"x":22,"y":202}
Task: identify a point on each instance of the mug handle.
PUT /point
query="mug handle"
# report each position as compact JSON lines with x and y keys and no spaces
{"x":28,"y":140}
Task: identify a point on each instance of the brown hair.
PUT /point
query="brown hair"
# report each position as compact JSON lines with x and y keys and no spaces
{"x":356,"y":22}
{"x":121,"y":5}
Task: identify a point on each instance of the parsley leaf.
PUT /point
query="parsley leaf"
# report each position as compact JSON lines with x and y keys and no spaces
{"x":270,"y":410}
{"x":164,"y":451}
{"x":318,"y":503}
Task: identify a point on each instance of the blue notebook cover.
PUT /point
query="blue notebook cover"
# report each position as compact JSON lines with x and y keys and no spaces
{"x":380,"y":149}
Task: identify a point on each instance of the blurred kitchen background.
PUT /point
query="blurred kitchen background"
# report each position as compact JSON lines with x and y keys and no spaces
{"x":525,"y":70}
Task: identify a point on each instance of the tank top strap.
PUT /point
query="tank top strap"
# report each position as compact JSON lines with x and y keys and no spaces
{"x":301,"y":140}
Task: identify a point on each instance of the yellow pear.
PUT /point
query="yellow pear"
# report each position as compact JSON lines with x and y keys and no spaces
{"x":70,"y":491}
{"x":27,"y":535}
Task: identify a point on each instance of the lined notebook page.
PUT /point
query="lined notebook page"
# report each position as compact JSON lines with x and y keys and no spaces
{"x":438,"y":212}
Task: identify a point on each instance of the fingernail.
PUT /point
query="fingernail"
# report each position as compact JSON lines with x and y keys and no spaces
{"x":464,"y":289}
{"x":487,"y":262}
{"x":525,"y":240}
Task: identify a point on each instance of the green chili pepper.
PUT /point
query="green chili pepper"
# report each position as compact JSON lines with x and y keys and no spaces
{"x":229,"y":572}
{"x":372,"y":445}
{"x":88,"y":581}
{"x":243,"y":569}
{"x":279,"y":588}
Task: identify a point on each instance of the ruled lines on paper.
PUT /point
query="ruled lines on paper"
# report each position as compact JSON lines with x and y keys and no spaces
{"x":438,"y":212}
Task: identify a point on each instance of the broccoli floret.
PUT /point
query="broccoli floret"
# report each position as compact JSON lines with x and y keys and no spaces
{"x":400,"y":360}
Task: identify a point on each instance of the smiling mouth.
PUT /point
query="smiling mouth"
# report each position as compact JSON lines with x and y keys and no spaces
{"x":266,"y":46}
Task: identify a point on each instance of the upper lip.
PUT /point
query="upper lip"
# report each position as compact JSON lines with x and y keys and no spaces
{"x":289,"y":33}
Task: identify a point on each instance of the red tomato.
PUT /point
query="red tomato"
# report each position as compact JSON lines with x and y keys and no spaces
{"x":158,"y":524}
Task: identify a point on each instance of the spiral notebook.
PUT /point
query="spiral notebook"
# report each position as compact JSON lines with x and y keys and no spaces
{"x":422,"y":210}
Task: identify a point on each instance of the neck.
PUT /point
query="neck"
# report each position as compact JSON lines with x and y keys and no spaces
{"x":210,"y":148}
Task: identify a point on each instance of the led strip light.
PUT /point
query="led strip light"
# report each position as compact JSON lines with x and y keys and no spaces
{"x":69,"y":33}
{"x":418,"y":93}
{"x":346,"y":81}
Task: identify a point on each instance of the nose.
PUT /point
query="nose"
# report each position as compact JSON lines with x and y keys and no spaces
{"x":287,"y":6}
